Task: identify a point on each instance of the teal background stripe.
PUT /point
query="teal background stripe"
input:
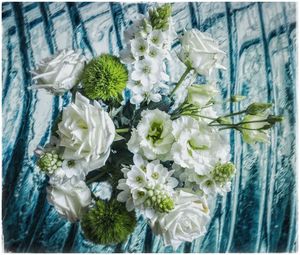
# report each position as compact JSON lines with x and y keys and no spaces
{"x":259,"y":215}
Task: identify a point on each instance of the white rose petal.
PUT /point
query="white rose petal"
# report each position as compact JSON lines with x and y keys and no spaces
{"x":200,"y":51}
{"x":186,"y":222}
{"x":70,"y":199}
{"x":59,"y":73}
{"x":86,"y":132}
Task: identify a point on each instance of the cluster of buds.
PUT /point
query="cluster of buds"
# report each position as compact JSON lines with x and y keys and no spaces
{"x":159,"y":17}
{"x":49,"y":162}
{"x":159,"y":200}
{"x":222,"y":173}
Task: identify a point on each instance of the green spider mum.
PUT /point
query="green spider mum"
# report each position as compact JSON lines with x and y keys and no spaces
{"x":108,"y":222}
{"x":104,"y":78}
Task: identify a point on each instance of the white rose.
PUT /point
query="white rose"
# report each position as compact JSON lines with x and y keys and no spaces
{"x":186,"y":222}
{"x":70,"y":199}
{"x":153,"y":136}
{"x":86,"y":132}
{"x":59,"y":73}
{"x":200,"y":51}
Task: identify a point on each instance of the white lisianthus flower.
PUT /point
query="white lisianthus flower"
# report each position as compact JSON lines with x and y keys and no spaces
{"x":59,"y":73}
{"x":86,"y":131}
{"x":153,"y":135}
{"x":186,"y":222}
{"x":200,"y":95}
{"x":70,"y":199}
{"x":200,"y":51}
{"x":197,"y":146}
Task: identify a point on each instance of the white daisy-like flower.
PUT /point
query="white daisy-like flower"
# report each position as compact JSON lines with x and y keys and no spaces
{"x":156,"y":37}
{"x":139,"y":47}
{"x":153,"y":135}
{"x":155,"y":195}
{"x":146,"y":71}
{"x":136,"y":178}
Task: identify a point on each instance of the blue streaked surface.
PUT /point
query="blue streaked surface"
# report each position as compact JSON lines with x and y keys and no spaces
{"x":259,"y":215}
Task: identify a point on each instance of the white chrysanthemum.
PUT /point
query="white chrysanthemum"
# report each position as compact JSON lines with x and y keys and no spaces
{"x":153,"y":135}
{"x":59,"y":73}
{"x":86,"y":131}
{"x":198,"y":146}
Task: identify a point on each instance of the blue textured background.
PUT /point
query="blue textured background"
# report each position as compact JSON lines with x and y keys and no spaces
{"x":259,"y":215}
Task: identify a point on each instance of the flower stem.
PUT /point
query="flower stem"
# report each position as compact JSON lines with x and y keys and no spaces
{"x":96,"y":177}
{"x":122,"y":130}
{"x":198,"y":115}
{"x":188,"y":69}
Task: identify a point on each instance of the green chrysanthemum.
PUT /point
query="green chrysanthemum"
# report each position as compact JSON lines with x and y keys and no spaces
{"x":49,"y":162}
{"x":108,"y":222}
{"x":104,"y":78}
{"x":159,"y":17}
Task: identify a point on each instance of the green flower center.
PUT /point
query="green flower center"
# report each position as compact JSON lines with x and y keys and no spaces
{"x":155,"y":132}
{"x":71,"y":163}
{"x":155,"y":39}
{"x":139,"y":179}
{"x":141,"y":194}
{"x":142,"y":48}
{"x":146,"y":69}
{"x":155,"y":175}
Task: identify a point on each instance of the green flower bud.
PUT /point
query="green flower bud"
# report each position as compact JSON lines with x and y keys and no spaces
{"x":49,"y":162}
{"x":272,"y":119}
{"x":257,"y":108}
{"x":159,"y":17}
{"x":222,"y":173}
{"x":104,"y":78}
{"x":224,"y":120}
{"x":108,"y":222}
{"x":166,"y":205}
{"x":237,"y":98}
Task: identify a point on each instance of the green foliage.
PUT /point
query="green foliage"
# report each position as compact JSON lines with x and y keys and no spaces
{"x":108,"y":222}
{"x":159,"y":17}
{"x":104,"y":78}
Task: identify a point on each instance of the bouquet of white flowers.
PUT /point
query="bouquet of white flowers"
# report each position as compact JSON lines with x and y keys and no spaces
{"x":133,"y":141}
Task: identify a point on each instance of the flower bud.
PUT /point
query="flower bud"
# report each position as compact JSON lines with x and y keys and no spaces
{"x":224,"y":120}
{"x":272,"y":119}
{"x":49,"y":162}
{"x":237,"y":98}
{"x":222,"y":173}
{"x":159,"y":17}
{"x":257,"y":108}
